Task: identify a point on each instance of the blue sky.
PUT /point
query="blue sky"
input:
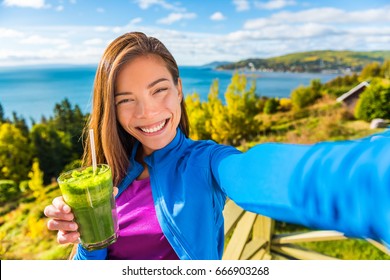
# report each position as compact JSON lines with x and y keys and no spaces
{"x":196,"y":32}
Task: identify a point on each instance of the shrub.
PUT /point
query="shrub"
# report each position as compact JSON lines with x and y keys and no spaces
{"x":8,"y":190}
{"x":271,"y":106}
{"x":374,"y":103}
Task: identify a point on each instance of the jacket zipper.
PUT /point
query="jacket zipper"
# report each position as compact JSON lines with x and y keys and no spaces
{"x":165,"y":215}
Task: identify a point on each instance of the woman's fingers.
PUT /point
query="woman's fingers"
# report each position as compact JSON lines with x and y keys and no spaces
{"x":64,"y":237}
{"x":54,"y":224}
{"x":58,"y":210}
{"x":60,"y":204}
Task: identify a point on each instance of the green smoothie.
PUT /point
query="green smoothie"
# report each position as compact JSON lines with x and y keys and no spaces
{"x":90,"y":195}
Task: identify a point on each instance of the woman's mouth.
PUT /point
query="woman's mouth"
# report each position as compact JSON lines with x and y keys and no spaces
{"x":153,"y":128}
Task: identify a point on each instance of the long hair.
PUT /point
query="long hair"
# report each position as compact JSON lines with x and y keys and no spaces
{"x":112,"y":143}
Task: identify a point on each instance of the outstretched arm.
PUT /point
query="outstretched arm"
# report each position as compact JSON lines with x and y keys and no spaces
{"x":343,"y":185}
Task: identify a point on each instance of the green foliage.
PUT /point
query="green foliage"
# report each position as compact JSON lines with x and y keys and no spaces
{"x":374,"y":102}
{"x":285,"y":104}
{"x":371,"y":70}
{"x":228,"y":123}
{"x":53,"y":149}
{"x":15,"y":154}
{"x":341,"y":84}
{"x":241,"y":108}
{"x":36,"y":180}
{"x":23,"y":186}
{"x":302,"y":96}
{"x":23,"y":231}
{"x":271,"y":106}
{"x":348,"y":249}
{"x":385,"y":69}
{"x":20,"y":123}
{"x":2,"y":119}
{"x":198,"y":117}
{"x":57,"y":142}
{"x":70,"y":121}
{"x":8,"y":190}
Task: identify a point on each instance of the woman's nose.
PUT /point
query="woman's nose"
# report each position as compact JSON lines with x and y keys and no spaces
{"x":145,"y":109}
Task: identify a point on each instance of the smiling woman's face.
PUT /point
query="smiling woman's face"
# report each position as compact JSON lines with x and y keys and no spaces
{"x":148,"y":102}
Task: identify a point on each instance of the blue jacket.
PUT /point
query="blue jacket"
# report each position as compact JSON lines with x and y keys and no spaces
{"x":343,"y":186}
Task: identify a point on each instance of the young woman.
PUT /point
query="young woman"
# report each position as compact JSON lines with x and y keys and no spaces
{"x":172,"y":189}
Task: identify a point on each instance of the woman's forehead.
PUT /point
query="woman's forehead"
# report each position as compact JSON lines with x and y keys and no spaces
{"x":144,"y":71}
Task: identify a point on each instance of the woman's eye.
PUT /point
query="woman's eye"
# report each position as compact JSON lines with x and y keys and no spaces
{"x":160,"y":90}
{"x":122,"y":101}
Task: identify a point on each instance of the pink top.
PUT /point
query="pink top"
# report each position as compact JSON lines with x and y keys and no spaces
{"x":140,"y":235}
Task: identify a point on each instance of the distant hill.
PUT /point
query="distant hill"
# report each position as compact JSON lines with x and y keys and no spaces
{"x":313,"y":61}
{"x":216,"y":64}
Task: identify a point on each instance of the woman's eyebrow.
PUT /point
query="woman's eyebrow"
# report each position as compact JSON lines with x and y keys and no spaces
{"x":122,"y":93}
{"x":156,"y":82}
{"x":149,"y":86}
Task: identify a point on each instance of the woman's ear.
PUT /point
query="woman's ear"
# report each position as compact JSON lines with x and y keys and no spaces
{"x":180,"y":89}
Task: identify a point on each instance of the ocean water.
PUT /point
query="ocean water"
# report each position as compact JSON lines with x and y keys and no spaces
{"x":32,"y":92}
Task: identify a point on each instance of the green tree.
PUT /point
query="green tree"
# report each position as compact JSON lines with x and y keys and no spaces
{"x":70,"y":121}
{"x":52,"y":147}
{"x":374,"y":102}
{"x":197,"y":116}
{"x":242,"y":106}
{"x":15,"y":154}
{"x":2,"y":119}
{"x":36,"y":180}
{"x":302,"y":97}
{"x":371,"y":70}
{"x":385,"y":69}
{"x":271,"y":106}
{"x":8,"y":190}
{"x":20,"y":123}
{"x":341,"y":84}
{"x":215,"y":115}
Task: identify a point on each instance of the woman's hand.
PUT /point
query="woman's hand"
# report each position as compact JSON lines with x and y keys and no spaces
{"x":61,"y":218}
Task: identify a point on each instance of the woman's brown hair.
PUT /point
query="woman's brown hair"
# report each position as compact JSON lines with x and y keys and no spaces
{"x":112,"y":143}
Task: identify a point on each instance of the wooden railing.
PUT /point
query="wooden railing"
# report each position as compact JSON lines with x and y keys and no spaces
{"x":249,"y":236}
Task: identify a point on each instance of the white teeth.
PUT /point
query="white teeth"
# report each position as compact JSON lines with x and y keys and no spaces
{"x":154,"y":129}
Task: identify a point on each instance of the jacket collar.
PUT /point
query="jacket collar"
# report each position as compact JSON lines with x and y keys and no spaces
{"x":165,"y":154}
{"x":157,"y":157}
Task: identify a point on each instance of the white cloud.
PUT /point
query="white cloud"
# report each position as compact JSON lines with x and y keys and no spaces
{"x":241,"y":5}
{"x":146,"y":4}
{"x":284,"y":31}
{"x":40,"y":40}
{"x":173,"y":17}
{"x":59,"y":8}
{"x":274,"y":4}
{"x":36,"y":4}
{"x":217,"y":16}
{"x":10,"y":33}
{"x":331,"y":16}
{"x":95,"y":41}
{"x":117,"y":29}
{"x":101,"y":28}
{"x":135,"y":21}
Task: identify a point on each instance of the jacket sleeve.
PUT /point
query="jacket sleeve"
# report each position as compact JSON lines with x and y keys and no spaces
{"x":342,"y":185}
{"x":83,"y":254}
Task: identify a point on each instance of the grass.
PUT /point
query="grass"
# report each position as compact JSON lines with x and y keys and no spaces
{"x":23,"y":231}
{"x":348,"y":249}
